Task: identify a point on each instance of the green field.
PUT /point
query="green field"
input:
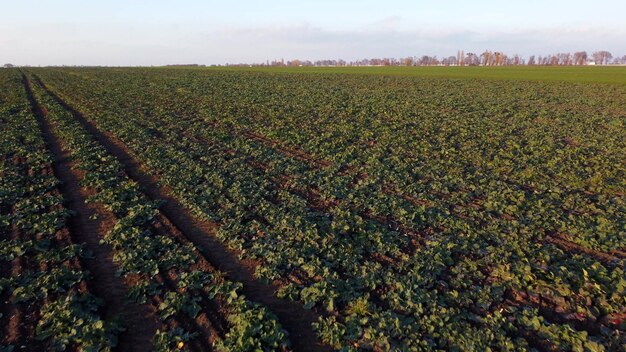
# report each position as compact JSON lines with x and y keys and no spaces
{"x":587,"y":74}
{"x":314,"y":209}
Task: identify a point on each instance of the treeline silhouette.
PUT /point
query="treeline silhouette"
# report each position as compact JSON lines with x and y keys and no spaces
{"x":486,"y":58}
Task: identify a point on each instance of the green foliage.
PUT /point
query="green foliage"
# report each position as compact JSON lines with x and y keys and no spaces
{"x":172,"y":340}
{"x":142,"y":252}
{"x":45,"y":278}
{"x":611,"y":75}
{"x":254,"y":329}
{"x":74,"y":321}
{"x":419,"y":213}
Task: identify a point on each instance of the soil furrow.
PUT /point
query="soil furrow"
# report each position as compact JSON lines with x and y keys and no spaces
{"x":291,"y":152}
{"x":571,"y":247}
{"x":610,"y":258}
{"x":88,"y":225}
{"x":559,"y":314}
{"x":316,"y":203}
{"x":293,"y":317}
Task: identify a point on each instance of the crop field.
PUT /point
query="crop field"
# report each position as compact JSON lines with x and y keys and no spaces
{"x":580,"y":74}
{"x":353,"y":209}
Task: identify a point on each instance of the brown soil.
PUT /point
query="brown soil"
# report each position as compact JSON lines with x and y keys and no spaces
{"x":210,"y":320}
{"x":534,"y":341}
{"x":16,"y":328}
{"x":553,"y":312}
{"x":569,"y":246}
{"x":13,"y":334}
{"x":292,"y":152}
{"x":292,"y":316}
{"x":207,"y":334}
{"x":139,"y":320}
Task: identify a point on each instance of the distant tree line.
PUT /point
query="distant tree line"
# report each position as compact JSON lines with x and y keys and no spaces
{"x":486,"y":58}
{"x":185,"y":65}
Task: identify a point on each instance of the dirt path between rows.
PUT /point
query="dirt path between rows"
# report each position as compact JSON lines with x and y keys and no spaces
{"x":568,"y":246}
{"x":292,"y":316}
{"x":89,"y":223}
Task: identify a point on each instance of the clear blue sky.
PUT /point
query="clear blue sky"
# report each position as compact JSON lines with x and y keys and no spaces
{"x":142,"y":32}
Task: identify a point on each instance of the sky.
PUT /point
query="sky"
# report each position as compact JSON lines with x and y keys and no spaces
{"x":157,"y":32}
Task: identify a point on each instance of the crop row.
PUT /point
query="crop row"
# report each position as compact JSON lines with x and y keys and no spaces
{"x":162,"y":268}
{"x":46,"y":301}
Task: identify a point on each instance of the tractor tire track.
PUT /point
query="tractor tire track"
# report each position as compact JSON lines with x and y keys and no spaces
{"x":293,"y":316}
{"x":88,"y":225}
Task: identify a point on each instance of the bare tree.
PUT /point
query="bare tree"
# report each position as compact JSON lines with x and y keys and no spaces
{"x":597,"y":58}
{"x":472,"y":59}
{"x":602,"y":57}
{"x":460,"y":58}
{"x":540,"y":60}
{"x":565,"y":59}
{"x":580,"y":58}
{"x":486,"y":58}
{"x":451,"y":60}
{"x":497,"y":58}
{"x":554,"y":60}
{"x":408,"y":61}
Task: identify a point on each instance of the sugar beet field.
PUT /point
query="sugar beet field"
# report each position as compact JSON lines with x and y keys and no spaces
{"x":161,"y":209}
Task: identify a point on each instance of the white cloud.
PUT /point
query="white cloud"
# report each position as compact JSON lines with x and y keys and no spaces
{"x":389,"y":37}
{"x":309,"y":42}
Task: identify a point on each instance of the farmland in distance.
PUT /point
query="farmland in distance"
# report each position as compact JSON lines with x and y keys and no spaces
{"x":313,"y":209}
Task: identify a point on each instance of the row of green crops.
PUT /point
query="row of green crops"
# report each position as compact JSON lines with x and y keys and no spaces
{"x":413,"y":213}
{"x":166,"y":272}
{"x":46,"y":304}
